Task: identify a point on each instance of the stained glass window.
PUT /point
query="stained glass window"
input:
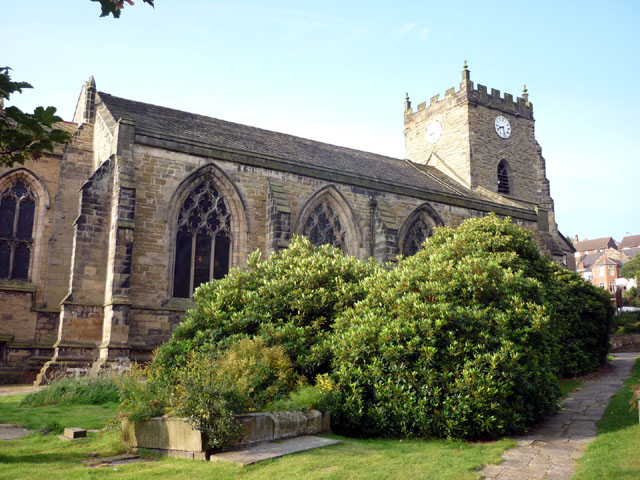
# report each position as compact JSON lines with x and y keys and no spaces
{"x":17,"y":210}
{"x":203,"y":240}
{"x":416,"y":235}
{"x":323,"y":226}
{"x":503,"y":177}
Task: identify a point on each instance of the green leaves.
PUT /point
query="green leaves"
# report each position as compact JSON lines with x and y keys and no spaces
{"x":464,"y":339}
{"x":114,"y":7}
{"x":22,"y":135}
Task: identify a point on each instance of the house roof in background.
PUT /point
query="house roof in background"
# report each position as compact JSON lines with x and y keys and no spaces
{"x":594,"y":244}
{"x":631,"y":252}
{"x":589,"y":259}
{"x":605,"y":260}
{"x":630,"y":241}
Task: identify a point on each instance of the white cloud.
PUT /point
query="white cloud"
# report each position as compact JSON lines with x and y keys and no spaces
{"x":405,"y":30}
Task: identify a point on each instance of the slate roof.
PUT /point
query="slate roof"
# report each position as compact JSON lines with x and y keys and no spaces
{"x":589,"y":259}
{"x":176,"y":124}
{"x":632,"y":252}
{"x":630,"y":241}
{"x":604,"y":260}
{"x":594,"y":244}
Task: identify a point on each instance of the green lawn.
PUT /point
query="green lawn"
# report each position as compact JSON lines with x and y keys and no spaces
{"x":51,"y":458}
{"x":614,"y":453}
{"x":35,"y":418}
{"x":48,"y":457}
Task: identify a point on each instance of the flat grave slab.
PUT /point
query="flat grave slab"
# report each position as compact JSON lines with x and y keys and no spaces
{"x":9,"y":431}
{"x":265,"y":451}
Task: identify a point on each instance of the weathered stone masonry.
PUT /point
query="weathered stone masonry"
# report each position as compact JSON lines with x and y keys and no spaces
{"x":109,"y":245}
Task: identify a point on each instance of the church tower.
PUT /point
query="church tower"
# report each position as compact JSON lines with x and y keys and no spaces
{"x":482,"y":140}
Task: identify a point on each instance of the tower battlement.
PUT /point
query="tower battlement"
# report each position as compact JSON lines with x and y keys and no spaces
{"x":521,"y":107}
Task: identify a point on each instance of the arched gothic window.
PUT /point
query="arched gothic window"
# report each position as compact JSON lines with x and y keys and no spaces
{"x":323,"y":226}
{"x":203,"y":238}
{"x":17,"y":210}
{"x":416,"y":235}
{"x":503,"y":177}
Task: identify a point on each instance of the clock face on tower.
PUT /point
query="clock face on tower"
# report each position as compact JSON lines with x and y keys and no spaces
{"x":503,"y":127}
{"x":434,"y":131}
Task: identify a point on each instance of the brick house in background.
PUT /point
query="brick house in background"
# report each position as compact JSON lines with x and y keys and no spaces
{"x":605,"y":270}
{"x":103,"y":242}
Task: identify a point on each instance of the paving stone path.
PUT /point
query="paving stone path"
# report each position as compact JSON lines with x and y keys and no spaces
{"x":549,"y":451}
{"x":17,"y":389}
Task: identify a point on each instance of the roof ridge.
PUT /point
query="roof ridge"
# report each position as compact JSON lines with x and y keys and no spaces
{"x":245,"y":126}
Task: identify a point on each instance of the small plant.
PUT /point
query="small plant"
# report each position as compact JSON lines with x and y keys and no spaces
{"x":52,"y":427}
{"x":635,"y":396}
{"x":245,"y":377}
{"x":145,"y":393}
{"x":308,"y":397}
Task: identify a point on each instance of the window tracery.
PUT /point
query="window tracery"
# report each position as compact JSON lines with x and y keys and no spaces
{"x":323,"y":226}
{"x":203,"y":238}
{"x":17,"y":211}
{"x":416,"y":235}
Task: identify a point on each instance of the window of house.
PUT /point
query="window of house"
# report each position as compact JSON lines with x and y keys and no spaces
{"x":612,"y":287}
{"x":203,"y":239}
{"x":416,"y":235}
{"x":323,"y":226}
{"x":612,"y":271}
{"x":503,"y":177}
{"x":601,"y":284}
{"x":601,"y":271}
{"x":17,"y":210}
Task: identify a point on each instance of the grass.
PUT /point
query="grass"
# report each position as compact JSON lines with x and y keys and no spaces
{"x":35,"y":418}
{"x":76,"y":391}
{"x":48,"y":457}
{"x":568,"y":385}
{"x":614,"y":453}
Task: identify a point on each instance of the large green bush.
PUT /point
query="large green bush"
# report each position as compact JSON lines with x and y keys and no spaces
{"x":290,"y":299}
{"x":581,"y":315}
{"x":454,"y":342}
{"x":464,"y":339}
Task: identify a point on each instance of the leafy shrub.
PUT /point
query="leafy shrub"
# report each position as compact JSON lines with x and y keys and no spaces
{"x":307,"y":397}
{"x":626,"y":322}
{"x":75,"y":391}
{"x":256,"y":374}
{"x":631,"y":297}
{"x":205,"y":400}
{"x":581,"y":315}
{"x":454,"y":342}
{"x":464,"y":339}
{"x":247,"y":376}
{"x":290,"y":299}
{"x":145,"y":392}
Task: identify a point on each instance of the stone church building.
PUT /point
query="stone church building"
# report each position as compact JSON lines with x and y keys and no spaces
{"x":103,"y":242}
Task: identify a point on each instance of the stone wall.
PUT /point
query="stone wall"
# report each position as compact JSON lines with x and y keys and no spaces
{"x":625,"y":343}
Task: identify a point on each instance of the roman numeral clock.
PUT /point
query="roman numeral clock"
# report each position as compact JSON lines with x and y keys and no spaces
{"x":503,"y":127}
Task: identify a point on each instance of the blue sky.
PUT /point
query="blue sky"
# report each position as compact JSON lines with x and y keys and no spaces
{"x":338,"y":72}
